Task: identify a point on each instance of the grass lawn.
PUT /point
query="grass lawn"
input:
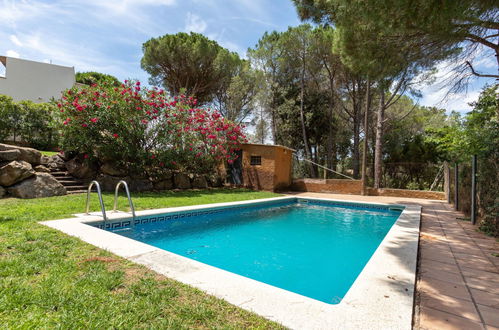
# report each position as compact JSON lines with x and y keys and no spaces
{"x":49,"y":153}
{"x":49,"y":279}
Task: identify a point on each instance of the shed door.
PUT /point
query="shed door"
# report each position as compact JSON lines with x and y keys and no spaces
{"x":235,"y":170}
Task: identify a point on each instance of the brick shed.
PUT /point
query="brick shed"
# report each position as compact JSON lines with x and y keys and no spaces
{"x":266,"y":167}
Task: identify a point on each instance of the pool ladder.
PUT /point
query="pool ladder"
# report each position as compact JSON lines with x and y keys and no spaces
{"x":102,"y":207}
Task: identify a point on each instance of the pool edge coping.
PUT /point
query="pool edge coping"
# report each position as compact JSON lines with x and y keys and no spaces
{"x":380,"y":297}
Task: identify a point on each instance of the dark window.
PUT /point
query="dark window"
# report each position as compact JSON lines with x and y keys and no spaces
{"x":256,"y":160}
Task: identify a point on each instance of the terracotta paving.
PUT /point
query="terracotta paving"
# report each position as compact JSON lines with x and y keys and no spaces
{"x":458,"y":274}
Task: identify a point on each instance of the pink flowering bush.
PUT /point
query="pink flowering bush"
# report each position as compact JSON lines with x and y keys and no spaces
{"x":145,"y":131}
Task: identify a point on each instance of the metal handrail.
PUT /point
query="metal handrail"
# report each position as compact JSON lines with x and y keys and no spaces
{"x":99,"y":193}
{"x":130,"y":203}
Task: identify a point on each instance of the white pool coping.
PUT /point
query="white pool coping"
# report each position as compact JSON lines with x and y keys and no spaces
{"x":381,"y":297}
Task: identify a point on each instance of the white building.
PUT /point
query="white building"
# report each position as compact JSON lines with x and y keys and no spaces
{"x":35,"y":81}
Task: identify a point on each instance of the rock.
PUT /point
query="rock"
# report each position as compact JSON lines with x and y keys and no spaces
{"x":166,"y":184}
{"x":111,"y":169}
{"x":41,"y":185}
{"x":41,"y":168}
{"x":199,"y":182}
{"x":55,"y":162}
{"x":139,"y":184}
{"x":29,"y":155}
{"x":44,"y":160}
{"x":182,"y":181}
{"x":215,"y":181}
{"x":10,"y":155}
{"x":108,"y":182}
{"x":14,"y":172}
{"x":79,"y":169}
{"x":2,"y":192}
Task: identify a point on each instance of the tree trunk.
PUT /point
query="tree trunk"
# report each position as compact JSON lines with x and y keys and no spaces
{"x":378,"y":153}
{"x":306,"y":145}
{"x":330,"y":138}
{"x":355,"y":150}
{"x":366,"y":137}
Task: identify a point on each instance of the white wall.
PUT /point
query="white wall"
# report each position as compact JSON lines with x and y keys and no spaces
{"x":35,"y":81}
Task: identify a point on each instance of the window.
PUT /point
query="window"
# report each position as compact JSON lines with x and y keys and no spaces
{"x":256,"y":160}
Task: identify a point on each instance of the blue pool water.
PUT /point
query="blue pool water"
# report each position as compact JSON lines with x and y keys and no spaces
{"x":311,"y":249}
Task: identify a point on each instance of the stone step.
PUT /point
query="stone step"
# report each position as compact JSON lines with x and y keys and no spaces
{"x":59,"y":173}
{"x":72,"y":188}
{"x":69,"y":181}
{"x":72,"y":192}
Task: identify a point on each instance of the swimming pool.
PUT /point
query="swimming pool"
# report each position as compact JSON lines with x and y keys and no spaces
{"x":381,"y":296}
{"x":316,"y":249}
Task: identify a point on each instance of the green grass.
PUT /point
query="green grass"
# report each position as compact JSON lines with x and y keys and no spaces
{"x":49,"y":153}
{"x":51,"y":280}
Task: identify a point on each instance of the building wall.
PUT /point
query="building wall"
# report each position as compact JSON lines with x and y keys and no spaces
{"x":35,"y":81}
{"x":259,"y":177}
{"x":283,"y":168}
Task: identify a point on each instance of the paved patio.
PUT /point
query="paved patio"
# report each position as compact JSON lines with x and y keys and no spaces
{"x":458,"y":275}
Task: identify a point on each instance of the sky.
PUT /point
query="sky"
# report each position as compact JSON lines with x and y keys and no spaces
{"x":107,"y":35}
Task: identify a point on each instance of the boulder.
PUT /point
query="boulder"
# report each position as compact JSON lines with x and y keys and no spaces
{"x":215,"y":181}
{"x":44,"y":160}
{"x":108,"y":182}
{"x":41,"y":168}
{"x":2,"y":192}
{"x":139,"y":184}
{"x":14,"y":172}
{"x":79,"y":169}
{"x":111,"y":169}
{"x":182,"y":181}
{"x":29,"y":155}
{"x":166,"y":184}
{"x":41,"y":185}
{"x":199,"y":182}
{"x":9,"y":155}
{"x":55,"y":162}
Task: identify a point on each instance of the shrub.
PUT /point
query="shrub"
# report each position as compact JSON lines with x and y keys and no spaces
{"x":143,"y":131}
{"x":32,"y":122}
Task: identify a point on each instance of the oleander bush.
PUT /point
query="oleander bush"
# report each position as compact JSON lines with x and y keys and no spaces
{"x":144,"y":130}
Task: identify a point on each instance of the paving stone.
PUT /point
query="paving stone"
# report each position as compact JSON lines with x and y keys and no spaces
{"x":458,"y":307}
{"x":433,"y":319}
{"x":490,"y":315}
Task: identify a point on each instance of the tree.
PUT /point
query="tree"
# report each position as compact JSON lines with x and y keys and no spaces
{"x":191,"y":62}
{"x":92,"y":77}
{"x":236,"y":99}
{"x":446,"y":27}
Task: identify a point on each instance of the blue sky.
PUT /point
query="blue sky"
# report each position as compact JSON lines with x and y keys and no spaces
{"x":107,"y":35}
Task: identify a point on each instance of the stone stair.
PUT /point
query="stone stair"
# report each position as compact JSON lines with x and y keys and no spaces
{"x":72,"y":184}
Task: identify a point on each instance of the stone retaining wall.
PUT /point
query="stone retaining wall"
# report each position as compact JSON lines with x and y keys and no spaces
{"x":335,"y":186}
{"x":423,"y":194}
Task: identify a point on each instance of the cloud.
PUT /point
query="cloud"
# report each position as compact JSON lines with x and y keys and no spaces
{"x":15,"y":41}
{"x":194,"y":23}
{"x":12,"y":53}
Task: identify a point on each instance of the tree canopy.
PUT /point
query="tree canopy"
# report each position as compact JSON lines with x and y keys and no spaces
{"x":189,"y":62}
{"x":92,"y":77}
{"x":433,"y":29}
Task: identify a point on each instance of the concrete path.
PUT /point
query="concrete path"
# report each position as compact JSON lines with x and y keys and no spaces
{"x":458,"y":270}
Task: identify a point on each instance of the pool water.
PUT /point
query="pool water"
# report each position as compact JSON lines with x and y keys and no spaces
{"x":311,"y":249}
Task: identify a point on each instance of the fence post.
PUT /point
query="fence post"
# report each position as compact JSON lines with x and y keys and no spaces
{"x":473,"y":189}
{"x":456,"y":186}
{"x":447,"y":181}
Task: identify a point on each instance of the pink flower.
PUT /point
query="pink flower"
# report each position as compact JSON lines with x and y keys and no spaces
{"x":115,"y":135}
{"x":94,"y":120}
{"x":84,"y":125}
{"x":85,"y":156}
